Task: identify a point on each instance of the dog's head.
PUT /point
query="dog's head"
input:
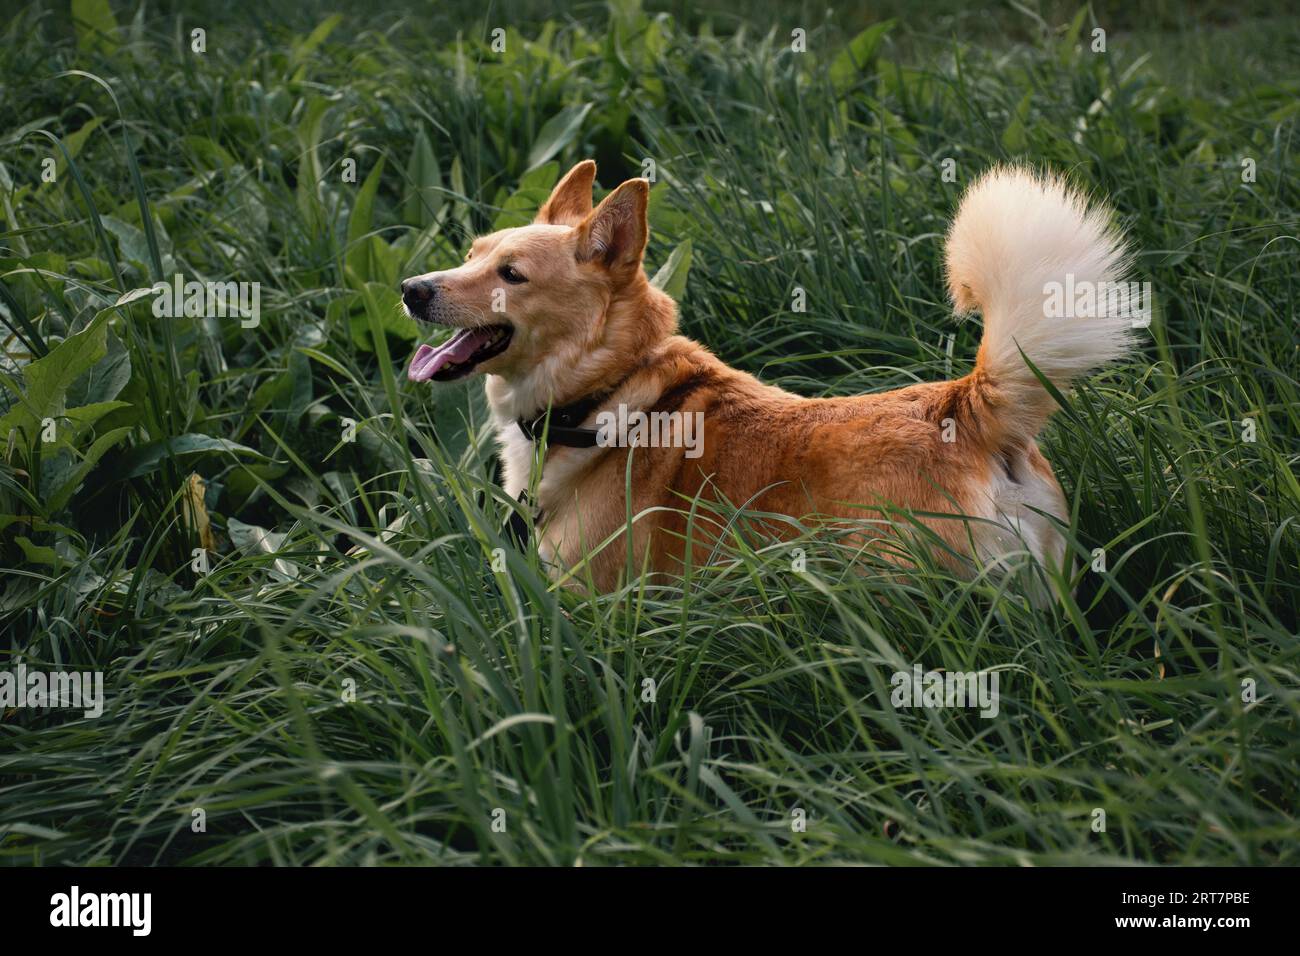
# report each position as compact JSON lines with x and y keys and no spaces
{"x":541,"y":296}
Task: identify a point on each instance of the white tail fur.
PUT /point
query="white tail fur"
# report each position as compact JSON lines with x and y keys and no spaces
{"x":1016,"y":234}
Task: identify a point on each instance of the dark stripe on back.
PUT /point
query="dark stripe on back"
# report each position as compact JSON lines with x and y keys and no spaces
{"x":673,"y":398}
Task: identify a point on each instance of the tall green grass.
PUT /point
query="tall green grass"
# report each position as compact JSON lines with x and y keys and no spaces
{"x":352,"y":682}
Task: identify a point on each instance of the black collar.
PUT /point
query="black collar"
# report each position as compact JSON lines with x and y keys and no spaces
{"x":565,"y":419}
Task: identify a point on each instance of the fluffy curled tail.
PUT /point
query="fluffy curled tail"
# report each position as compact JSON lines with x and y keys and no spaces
{"x":1046,"y":271}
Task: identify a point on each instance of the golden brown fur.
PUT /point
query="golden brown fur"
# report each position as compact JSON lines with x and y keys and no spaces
{"x":588,"y":318}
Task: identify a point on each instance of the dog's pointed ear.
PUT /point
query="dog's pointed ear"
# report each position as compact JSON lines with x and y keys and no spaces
{"x":570,"y":200}
{"x":616,"y":231}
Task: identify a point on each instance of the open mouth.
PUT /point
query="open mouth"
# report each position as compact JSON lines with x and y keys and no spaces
{"x":460,"y":354}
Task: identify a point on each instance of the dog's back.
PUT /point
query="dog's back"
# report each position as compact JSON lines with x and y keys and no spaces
{"x":962,"y":449}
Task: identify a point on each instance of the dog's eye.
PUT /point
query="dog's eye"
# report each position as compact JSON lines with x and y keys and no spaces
{"x":469,"y":255}
{"x":511,"y":275}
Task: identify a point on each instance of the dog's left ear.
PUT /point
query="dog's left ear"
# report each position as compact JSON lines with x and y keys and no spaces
{"x":570,"y":200}
{"x":615,"y":233}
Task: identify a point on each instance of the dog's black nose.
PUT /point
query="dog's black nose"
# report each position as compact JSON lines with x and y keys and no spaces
{"x":416,"y":293}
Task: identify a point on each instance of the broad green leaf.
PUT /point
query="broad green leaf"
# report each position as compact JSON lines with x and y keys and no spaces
{"x":94,"y":24}
{"x":105,"y":379}
{"x":82,"y":417}
{"x":849,"y":63}
{"x":126,"y":298}
{"x":37,"y":554}
{"x":64,"y":489}
{"x":671,"y":277}
{"x":314,"y":39}
{"x":46,"y":381}
{"x":458,"y":408}
{"x":426,"y":197}
{"x":520,"y":208}
{"x":557,"y":133}
{"x":1014,"y":139}
{"x":144,"y":459}
{"x":1068,"y":47}
{"x":74,"y":142}
{"x":384,"y":303}
{"x":359,"y":261}
{"x":131,"y":241}
{"x":309,"y":172}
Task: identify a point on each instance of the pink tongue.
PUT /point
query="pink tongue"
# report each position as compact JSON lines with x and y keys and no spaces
{"x":428,"y":361}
